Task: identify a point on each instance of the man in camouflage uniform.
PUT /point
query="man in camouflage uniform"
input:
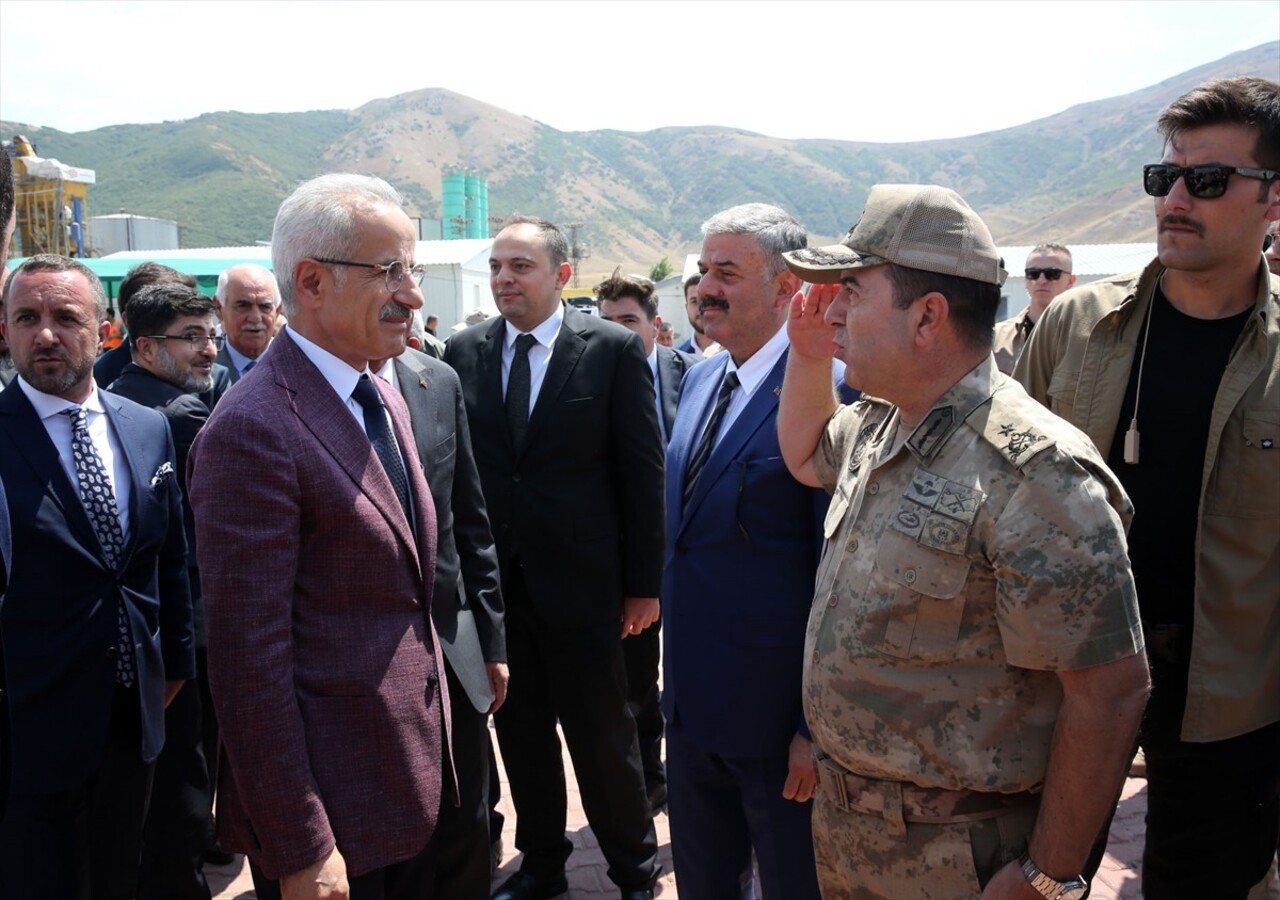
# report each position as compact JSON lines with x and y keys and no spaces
{"x":974,"y":668}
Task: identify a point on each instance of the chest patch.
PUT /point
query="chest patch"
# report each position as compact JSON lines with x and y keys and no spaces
{"x":936,"y":512}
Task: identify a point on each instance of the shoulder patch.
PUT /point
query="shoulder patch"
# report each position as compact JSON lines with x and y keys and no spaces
{"x":1017,"y":440}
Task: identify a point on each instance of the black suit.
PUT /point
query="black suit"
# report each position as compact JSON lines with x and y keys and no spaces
{"x":466,"y":609}
{"x":179,"y":819}
{"x":577,"y":518}
{"x":111,"y":364}
{"x":672,"y":364}
{"x":643,"y":652}
{"x":82,"y":746}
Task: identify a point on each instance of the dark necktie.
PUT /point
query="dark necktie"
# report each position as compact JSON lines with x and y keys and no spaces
{"x":247,"y":366}
{"x":377,"y":426}
{"x":99,"y":501}
{"x":703,"y":451}
{"x":519,"y":387}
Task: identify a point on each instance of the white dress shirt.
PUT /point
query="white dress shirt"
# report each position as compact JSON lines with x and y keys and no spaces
{"x":58,"y":426}
{"x":750,"y":376}
{"x":539,"y":353}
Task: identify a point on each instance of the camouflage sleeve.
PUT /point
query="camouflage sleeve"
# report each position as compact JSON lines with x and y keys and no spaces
{"x":836,"y":442}
{"x":1065,"y":593}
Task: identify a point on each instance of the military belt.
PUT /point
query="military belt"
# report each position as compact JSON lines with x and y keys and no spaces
{"x":899,"y":802}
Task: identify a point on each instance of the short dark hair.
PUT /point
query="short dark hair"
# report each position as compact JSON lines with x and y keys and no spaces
{"x":157,"y":306}
{"x":691,"y":281}
{"x":1243,"y":100}
{"x":52,"y":262}
{"x":554,"y":239}
{"x":146,"y":274}
{"x":972,"y":305}
{"x":619,"y":287}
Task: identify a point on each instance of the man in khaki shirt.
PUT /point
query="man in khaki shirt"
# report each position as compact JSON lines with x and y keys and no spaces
{"x":974,"y":674}
{"x":1174,"y":372}
{"x":1048,"y":274}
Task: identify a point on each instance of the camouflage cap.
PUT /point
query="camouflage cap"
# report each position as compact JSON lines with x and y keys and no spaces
{"x":916,"y":226}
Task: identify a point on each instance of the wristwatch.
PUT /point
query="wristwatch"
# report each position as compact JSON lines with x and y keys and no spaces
{"x":1071,"y":889}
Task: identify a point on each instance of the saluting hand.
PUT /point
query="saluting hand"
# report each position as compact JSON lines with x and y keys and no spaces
{"x":811,"y":335}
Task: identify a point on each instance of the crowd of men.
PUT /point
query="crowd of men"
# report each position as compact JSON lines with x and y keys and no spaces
{"x":925,"y":581}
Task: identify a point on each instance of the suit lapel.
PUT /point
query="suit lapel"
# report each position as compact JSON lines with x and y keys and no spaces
{"x":415,"y":388}
{"x":125,"y":425}
{"x":700,"y":394}
{"x":327,"y":417}
{"x":565,"y":354}
{"x":18,"y":418}
{"x":757,"y":411}
{"x":668,"y":387}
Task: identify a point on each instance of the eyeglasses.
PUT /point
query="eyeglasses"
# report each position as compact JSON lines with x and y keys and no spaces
{"x":1203,"y":182}
{"x":394,"y":271}
{"x":197,"y":341}
{"x":1051,"y":274}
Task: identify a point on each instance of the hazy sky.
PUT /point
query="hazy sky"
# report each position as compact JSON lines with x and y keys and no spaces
{"x":892,"y":71}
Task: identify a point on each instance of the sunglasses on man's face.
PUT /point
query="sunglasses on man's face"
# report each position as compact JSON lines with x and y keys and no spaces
{"x":1203,"y":182}
{"x":1051,"y":274}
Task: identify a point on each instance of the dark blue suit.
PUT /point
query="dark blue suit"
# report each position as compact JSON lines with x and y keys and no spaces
{"x":61,"y":630}
{"x":741,"y":559}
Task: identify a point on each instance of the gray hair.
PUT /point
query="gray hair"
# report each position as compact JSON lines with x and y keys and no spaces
{"x":774,"y":229}
{"x":319,"y":220}
{"x":224,"y":278}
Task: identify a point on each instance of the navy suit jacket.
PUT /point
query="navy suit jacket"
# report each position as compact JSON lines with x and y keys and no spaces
{"x":60,"y":606}
{"x":6,"y":553}
{"x":740,"y":566}
{"x":466,"y":606}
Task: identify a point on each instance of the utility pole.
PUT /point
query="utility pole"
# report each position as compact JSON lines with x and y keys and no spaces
{"x":577,"y":252}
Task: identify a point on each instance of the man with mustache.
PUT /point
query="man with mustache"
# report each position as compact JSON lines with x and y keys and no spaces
{"x":742,"y":547}
{"x":1174,"y":372}
{"x":173,"y":346}
{"x":317,"y":546}
{"x":248,"y":301}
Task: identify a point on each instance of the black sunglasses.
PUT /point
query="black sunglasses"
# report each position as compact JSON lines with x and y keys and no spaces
{"x":1203,"y":182}
{"x":1051,"y":274}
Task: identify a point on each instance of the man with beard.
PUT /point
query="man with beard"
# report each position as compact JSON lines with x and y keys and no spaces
{"x":173,"y":345}
{"x":97,"y":613}
{"x":698,"y":342}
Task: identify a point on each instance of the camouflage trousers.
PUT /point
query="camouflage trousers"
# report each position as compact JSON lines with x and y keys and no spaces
{"x":859,"y":857}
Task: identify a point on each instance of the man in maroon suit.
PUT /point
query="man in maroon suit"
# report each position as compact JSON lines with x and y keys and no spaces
{"x":317,"y":542}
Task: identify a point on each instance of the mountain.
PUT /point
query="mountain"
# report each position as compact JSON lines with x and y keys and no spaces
{"x":1072,"y":176}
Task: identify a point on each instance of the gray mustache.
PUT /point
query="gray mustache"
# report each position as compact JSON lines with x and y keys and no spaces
{"x":394,"y":309}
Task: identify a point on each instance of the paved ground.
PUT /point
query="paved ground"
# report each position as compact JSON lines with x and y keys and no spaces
{"x":1118,"y":878}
